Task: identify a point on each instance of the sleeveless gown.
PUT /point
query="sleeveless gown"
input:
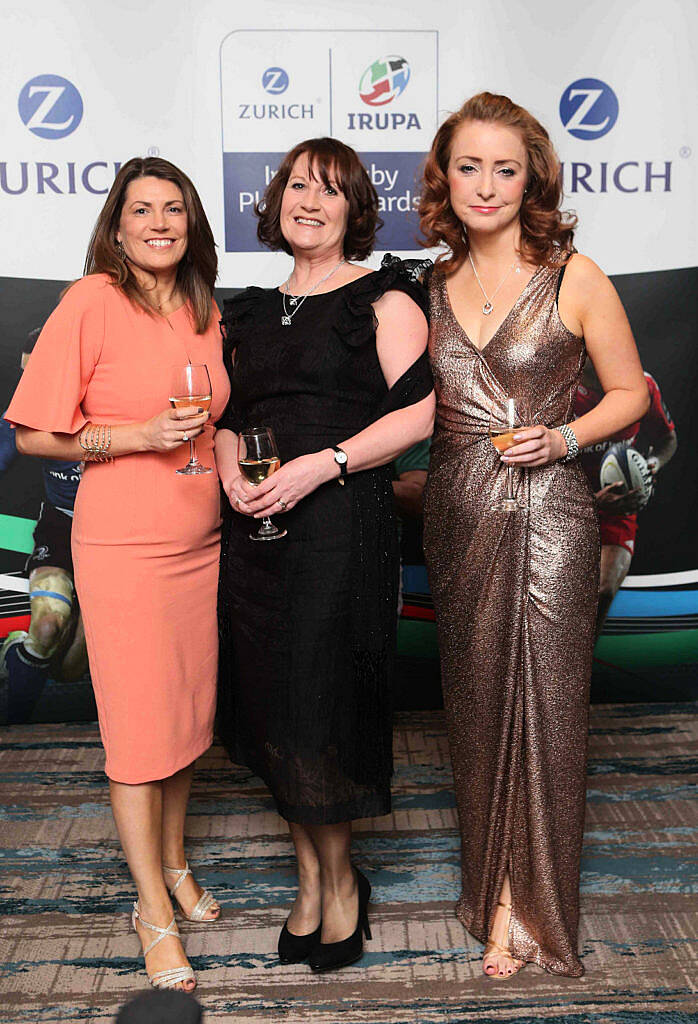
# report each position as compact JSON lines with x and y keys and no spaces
{"x":515,"y":597}
{"x":307,"y":623}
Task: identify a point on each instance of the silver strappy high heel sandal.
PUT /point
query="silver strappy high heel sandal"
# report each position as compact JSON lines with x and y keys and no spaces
{"x":206,"y":900}
{"x":175,"y":975}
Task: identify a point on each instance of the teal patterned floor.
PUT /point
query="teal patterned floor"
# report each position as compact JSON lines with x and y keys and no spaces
{"x":68,"y":954}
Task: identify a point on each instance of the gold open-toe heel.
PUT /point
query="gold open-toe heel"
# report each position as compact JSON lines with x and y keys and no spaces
{"x":175,"y":975}
{"x":206,"y":900}
{"x":494,"y":949}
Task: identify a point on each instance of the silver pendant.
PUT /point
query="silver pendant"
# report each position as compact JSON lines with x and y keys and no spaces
{"x":285,"y":321}
{"x":487,"y":308}
{"x":292,"y":301}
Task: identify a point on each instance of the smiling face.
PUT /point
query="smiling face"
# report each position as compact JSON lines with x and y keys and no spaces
{"x":313,"y":215}
{"x":153,"y":225}
{"x":487,"y":174}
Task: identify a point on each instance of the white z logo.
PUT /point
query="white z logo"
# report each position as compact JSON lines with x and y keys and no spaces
{"x":577,"y":119}
{"x":52,"y":94}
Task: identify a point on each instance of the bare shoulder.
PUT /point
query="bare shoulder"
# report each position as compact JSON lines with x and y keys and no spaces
{"x":396,"y":305}
{"x":583,"y":272}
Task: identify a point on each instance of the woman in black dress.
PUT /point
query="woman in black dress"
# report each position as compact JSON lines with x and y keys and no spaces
{"x":334,"y":362}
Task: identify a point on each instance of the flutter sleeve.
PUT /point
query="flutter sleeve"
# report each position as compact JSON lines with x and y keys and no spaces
{"x":238,"y":312}
{"x":53,"y":385}
{"x":356,"y":324}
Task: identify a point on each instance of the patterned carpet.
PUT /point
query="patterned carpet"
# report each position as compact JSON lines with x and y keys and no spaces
{"x":68,"y":954}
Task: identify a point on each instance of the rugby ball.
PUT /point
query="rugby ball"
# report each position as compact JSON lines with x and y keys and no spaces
{"x":627,"y":466}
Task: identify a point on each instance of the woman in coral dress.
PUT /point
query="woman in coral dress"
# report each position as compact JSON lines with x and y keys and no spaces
{"x":145,"y":538}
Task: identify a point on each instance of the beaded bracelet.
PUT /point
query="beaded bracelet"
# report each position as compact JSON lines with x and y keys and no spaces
{"x":95,"y":441}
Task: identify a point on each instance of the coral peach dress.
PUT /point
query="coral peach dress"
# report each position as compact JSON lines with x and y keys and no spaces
{"x":145,"y":540}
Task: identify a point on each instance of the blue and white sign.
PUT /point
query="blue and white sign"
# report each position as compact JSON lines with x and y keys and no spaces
{"x":275,"y":81}
{"x":376,"y":91}
{"x":588,"y":108}
{"x":50,"y":106}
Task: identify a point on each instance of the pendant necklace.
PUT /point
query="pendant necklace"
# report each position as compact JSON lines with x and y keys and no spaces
{"x":298,"y":300}
{"x":488,"y":307}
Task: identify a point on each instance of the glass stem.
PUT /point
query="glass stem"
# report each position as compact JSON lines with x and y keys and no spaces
{"x":193,"y":461}
{"x":510,"y":483}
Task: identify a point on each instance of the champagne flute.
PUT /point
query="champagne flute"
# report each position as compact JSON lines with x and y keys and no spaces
{"x":191,"y":386}
{"x":503,"y":426}
{"x":258,"y":458}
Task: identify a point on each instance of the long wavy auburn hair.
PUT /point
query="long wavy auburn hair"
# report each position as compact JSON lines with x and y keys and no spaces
{"x":198,"y":268}
{"x":543,"y":225}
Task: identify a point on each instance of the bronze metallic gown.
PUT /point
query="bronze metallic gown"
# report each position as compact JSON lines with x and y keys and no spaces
{"x":515,"y":595}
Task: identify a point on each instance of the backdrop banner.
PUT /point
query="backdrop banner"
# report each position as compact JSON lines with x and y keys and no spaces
{"x":224,"y":92}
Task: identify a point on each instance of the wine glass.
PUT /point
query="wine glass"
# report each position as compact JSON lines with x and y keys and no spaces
{"x":258,"y":458}
{"x":503,"y":425}
{"x":190,"y":385}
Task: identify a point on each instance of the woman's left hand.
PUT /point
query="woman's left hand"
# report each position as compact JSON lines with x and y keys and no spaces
{"x":284,"y":489}
{"x":536,"y":446}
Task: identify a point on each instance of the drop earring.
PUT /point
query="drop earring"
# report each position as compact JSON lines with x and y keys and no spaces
{"x":120,"y":251}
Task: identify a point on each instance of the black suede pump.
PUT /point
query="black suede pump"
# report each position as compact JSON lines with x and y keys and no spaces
{"x":331,"y":956}
{"x":294,"y":949}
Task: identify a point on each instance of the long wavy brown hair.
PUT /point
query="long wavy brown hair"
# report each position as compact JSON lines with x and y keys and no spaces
{"x":543,"y":225}
{"x":198,"y":268}
{"x":327,"y":158}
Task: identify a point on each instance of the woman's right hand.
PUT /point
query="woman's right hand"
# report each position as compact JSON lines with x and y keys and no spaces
{"x":172,"y":428}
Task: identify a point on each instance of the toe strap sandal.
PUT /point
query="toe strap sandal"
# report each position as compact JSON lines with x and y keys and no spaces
{"x":175,"y":975}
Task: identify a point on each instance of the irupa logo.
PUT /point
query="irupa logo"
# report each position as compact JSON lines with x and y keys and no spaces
{"x":382,"y":82}
{"x":50,"y":106}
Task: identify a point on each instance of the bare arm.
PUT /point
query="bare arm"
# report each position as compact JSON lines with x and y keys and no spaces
{"x":400,"y":339}
{"x":589,"y":306}
{"x":662,"y":451}
{"x":160,"y":434}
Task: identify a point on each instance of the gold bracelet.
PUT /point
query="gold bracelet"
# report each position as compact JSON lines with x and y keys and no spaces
{"x":95,"y":441}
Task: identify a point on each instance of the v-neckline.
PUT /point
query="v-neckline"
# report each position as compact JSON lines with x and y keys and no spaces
{"x":481,"y":351}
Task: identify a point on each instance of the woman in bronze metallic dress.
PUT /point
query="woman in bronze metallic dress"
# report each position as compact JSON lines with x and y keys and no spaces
{"x":514,"y":311}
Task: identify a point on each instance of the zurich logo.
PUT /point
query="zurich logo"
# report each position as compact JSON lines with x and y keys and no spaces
{"x":275,"y":81}
{"x":50,"y":106}
{"x":588,"y":108}
{"x":383,"y":80}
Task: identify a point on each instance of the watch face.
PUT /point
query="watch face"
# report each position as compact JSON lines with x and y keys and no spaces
{"x":340,"y":457}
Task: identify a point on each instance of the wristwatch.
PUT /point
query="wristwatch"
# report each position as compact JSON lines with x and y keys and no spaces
{"x":340,"y":457}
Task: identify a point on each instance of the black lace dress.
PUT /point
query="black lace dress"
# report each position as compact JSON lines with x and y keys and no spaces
{"x":307,"y":623}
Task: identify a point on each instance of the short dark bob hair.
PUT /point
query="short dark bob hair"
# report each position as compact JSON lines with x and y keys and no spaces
{"x":543,"y":225}
{"x":332,"y":162}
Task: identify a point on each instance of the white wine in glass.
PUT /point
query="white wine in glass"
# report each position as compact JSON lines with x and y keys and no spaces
{"x":191,"y":387}
{"x":258,"y":458}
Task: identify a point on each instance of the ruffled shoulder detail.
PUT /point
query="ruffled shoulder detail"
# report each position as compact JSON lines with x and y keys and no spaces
{"x":237,"y":311}
{"x":356,"y":324}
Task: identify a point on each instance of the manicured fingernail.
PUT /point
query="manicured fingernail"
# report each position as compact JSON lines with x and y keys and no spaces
{"x":517,"y":437}
{"x":200,"y":410}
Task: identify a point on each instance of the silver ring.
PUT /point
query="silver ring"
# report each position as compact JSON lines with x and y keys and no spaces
{"x":283,"y":504}
{"x":185,"y":437}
